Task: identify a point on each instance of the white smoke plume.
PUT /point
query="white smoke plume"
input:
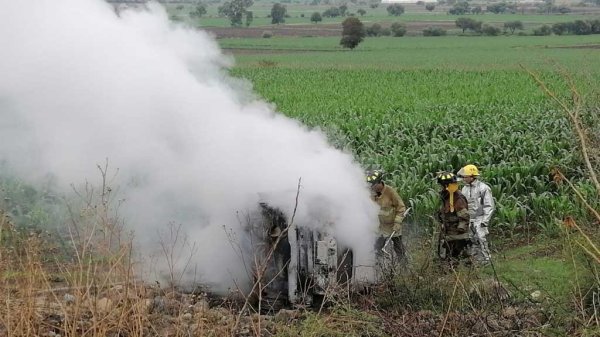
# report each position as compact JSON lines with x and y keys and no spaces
{"x":79,"y":84}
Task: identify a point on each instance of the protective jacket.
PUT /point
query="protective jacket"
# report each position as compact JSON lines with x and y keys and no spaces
{"x":455,"y":222}
{"x":481,"y":202}
{"x":391,"y":211}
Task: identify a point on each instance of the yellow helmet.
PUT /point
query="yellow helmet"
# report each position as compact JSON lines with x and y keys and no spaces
{"x":468,"y":170}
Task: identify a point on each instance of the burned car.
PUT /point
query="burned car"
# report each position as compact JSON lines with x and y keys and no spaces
{"x":299,"y":263}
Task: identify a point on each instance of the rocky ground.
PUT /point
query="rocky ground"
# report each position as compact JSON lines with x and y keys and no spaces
{"x":150,"y":311}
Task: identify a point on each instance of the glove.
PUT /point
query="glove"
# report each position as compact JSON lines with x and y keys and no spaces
{"x":397,"y":227}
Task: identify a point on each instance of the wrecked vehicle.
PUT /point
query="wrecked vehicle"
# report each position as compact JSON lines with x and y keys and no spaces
{"x":300,"y":263}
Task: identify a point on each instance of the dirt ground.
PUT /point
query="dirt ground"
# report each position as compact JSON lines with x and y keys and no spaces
{"x":310,"y":30}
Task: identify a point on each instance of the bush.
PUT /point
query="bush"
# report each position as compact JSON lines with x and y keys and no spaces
{"x":398,"y":29}
{"x":595,"y":26}
{"x":560,"y":28}
{"x":395,"y":9}
{"x":542,"y":31}
{"x":332,"y":12}
{"x":460,"y":8}
{"x":434,"y":31}
{"x":490,"y":30}
{"x":386,"y":32}
{"x":581,"y":27}
{"x":430,"y":7}
{"x":267,"y":34}
{"x":316,"y":17}
{"x":374,"y":30}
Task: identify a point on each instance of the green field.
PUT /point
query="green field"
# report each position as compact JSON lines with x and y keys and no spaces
{"x":454,"y":52}
{"x":417,"y":105}
{"x":300,"y":14}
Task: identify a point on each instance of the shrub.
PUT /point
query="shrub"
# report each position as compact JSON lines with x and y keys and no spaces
{"x":395,"y":9}
{"x":316,"y":17}
{"x":560,"y":28}
{"x":267,"y":34}
{"x":581,"y":27}
{"x":542,"y":31}
{"x":374,"y":30}
{"x":398,"y":29}
{"x":490,"y":30}
{"x":434,"y":31}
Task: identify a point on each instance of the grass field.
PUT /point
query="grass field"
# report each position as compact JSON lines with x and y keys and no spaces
{"x":453,"y":52}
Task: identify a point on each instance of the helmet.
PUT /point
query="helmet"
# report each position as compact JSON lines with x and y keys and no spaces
{"x":445,"y":178}
{"x":374,"y":177}
{"x":468,"y":170}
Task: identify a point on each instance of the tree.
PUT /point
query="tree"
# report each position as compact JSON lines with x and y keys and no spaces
{"x":498,"y":8}
{"x":465,"y":23}
{"x":249,"y":18}
{"x":331,"y":12}
{"x":562,"y":9}
{"x":395,"y":9}
{"x":353,"y":32}
{"x":361,"y":12}
{"x":460,"y":8}
{"x":198,"y":11}
{"x":512,"y":25}
{"x":316,"y":17}
{"x":476,"y":10}
{"x":343,"y":9}
{"x":235,"y":10}
{"x":278,"y":12}
{"x":430,"y":7}
{"x":398,"y":29}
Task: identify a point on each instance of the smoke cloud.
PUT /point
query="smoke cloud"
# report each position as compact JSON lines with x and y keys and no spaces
{"x":193,"y":147}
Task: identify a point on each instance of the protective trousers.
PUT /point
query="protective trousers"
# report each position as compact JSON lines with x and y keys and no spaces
{"x":480,"y":249}
{"x":396,"y":241}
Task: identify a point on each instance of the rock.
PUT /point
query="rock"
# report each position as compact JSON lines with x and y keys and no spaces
{"x":104,"y":305}
{"x":286,"y":315}
{"x":118,"y":288}
{"x":536,"y":295}
{"x":201,"y":306}
{"x":187,"y":317}
{"x":509,"y":312}
{"x":69,"y":299}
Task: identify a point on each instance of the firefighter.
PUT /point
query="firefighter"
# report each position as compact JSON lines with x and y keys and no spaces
{"x":391,"y":214}
{"x":453,"y":215}
{"x":481,"y":207}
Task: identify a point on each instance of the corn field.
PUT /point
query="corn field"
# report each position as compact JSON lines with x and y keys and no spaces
{"x":414,"y":123}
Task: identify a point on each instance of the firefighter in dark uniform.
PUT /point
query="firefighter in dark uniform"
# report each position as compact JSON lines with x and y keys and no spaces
{"x":453,"y":216}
